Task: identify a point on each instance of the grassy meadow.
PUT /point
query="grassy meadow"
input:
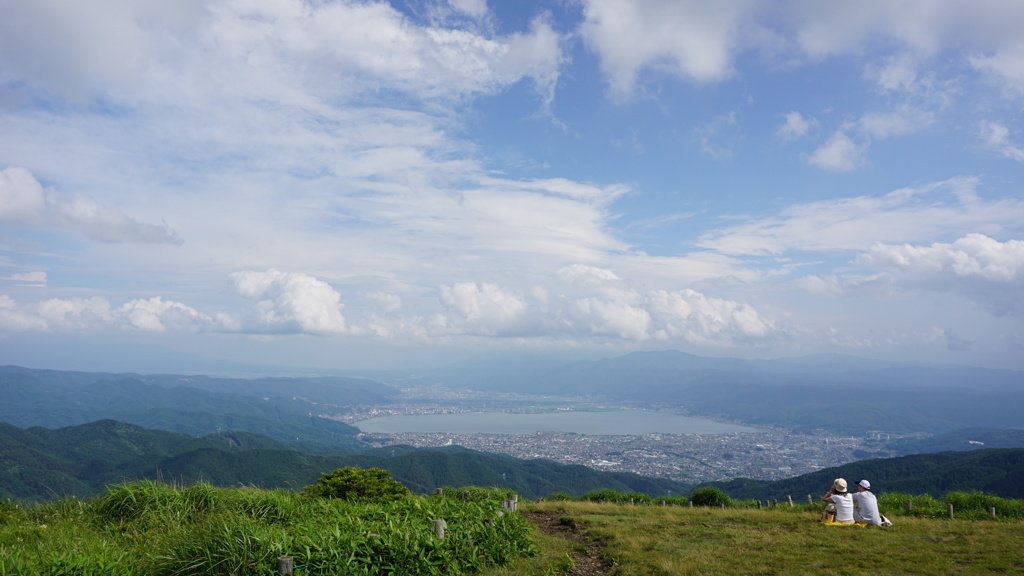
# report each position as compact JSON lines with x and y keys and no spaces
{"x":150,"y":528}
{"x":673,"y":540}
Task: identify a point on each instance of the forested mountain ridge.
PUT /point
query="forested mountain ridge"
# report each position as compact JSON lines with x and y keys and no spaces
{"x":38,"y":463}
{"x":282,"y":408}
{"x":998,"y":471}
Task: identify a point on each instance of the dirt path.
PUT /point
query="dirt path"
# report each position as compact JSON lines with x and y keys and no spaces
{"x":588,"y":563}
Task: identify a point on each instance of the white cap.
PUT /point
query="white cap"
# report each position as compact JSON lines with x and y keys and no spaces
{"x":864,"y":484}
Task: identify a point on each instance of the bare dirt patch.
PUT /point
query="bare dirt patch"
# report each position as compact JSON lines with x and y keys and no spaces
{"x":586,"y":554}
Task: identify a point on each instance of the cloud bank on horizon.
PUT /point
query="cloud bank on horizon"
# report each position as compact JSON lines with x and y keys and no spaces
{"x":735,"y":178}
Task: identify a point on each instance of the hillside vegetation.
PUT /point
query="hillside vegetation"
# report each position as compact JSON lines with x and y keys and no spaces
{"x":682,"y":541}
{"x":161,"y":530}
{"x":40,"y":463}
{"x":282,"y":408}
{"x":995,"y":471}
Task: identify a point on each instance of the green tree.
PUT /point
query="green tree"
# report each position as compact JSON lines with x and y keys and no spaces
{"x":350,"y":483}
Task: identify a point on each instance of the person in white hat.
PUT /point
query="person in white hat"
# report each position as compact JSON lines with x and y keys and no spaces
{"x":841,"y":501}
{"x":866,"y":505}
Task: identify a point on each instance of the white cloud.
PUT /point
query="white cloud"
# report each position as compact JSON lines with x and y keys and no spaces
{"x":690,"y":38}
{"x":292,"y":302}
{"x":474,"y":8}
{"x":898,"y":122}
{"x":796,"y":126}
{"x":997,"y":137}
{"x":36,"y":278}
{"x":975,"y":266}
{"x":905,"y":215}
{"x":482,"y":309}
{"x":92,"y":315}
{"x":1005,"y":62}
{"x":24,"y":202}
{"x":974,"y":255}
{"x":838,"y":154}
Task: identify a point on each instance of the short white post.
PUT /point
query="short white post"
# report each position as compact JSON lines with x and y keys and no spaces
{"x":439,"y":529}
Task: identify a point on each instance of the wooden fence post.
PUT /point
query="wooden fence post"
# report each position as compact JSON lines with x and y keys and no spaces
{"x":789,"y":499}
{"x":950,"y":511}
{"x":285,"y":565}
{"x":992,"y":511}
{"x":758,"y":504}
{"x":439,"y":529}
{"x":439,"y":492}
{"x":691,"y":503}
{"x":775,"y":502}
{"x":722,"y":505}
{"x":809,"y":501}
{"x":909,"y":504}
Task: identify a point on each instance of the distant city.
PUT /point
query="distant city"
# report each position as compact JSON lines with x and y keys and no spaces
{"x":770,"y":455}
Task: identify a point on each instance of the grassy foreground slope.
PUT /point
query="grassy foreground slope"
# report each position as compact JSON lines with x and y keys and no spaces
{"x":662,"y":541}
{"x":148,"y":528}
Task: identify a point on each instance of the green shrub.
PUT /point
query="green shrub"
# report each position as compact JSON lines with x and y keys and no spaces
{"x":709,"y":496}
{"x":602,"y":495}
{"x":478,"y":494}
{"x":560,"y":497}
{"x":350,"y":483}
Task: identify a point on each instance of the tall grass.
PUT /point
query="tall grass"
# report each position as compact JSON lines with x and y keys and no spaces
{"x":163,"y":530}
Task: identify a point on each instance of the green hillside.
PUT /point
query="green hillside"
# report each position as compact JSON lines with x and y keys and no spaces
{"x":966,"y":439}
{"x":993,"y":471}
{"x":39,"y":463}
{"x":283,"y":408}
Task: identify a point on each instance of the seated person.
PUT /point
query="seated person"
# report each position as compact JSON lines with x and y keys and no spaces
{"x":866,"y":505}
{"x":841,"y":501}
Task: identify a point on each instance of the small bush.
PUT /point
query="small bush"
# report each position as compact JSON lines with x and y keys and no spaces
{"x":357,"y":484}
{"x":709,"y":496}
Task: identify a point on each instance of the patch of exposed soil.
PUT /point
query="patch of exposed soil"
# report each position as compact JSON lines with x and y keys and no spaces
{"x":587,"y":555}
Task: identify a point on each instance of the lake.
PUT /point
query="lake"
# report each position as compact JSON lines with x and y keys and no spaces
{"x":619,"y":422}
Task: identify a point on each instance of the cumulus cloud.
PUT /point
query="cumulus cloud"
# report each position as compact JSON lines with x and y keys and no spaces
{"x":291,"y":302}
{"x":585,"y":301}
{"x":482,"y":309}
{"x":693,"y":39}
{"x":986,"y":271}
{"x":24,"y":202}
{"x":838,"y":154}
{"x":96,"y":314}
{"x":701,"y":40}
{"x":974,"y":255}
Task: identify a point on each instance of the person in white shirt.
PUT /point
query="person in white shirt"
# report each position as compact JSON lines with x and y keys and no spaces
{"x":866,"y":505}
{"x":841,"y":501}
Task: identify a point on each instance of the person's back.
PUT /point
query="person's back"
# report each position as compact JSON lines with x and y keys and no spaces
{"x":867,"y":505}
{"x":844,"y":508}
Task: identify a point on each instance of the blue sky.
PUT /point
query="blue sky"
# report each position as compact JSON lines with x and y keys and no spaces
{"x":332,"y":184}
